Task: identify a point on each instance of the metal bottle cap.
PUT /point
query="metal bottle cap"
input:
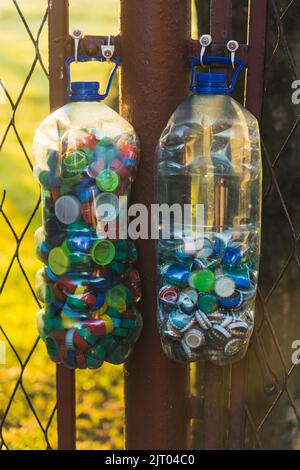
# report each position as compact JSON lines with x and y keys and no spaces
{"x":194,"y":338}
{"x":208,"y":303}
{"x":224,"y":286}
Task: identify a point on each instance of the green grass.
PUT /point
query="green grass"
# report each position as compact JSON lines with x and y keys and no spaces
{"x":99,"y":393}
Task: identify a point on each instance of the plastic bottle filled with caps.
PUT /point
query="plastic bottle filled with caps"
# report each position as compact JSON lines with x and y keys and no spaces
{"x":86,"y":157}
{"x":209,"y":157}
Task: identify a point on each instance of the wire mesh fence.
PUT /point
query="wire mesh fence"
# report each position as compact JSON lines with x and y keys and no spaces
{"x":273,"y":401}
{"x":27,"y":395}
{"x":27,"y":390}
{"x":16,"y":267}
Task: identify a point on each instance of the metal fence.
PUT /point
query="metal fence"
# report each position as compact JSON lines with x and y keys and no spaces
{"x":18,"y":386}
{"x":273,"y":406}
{"x":254,"y":404}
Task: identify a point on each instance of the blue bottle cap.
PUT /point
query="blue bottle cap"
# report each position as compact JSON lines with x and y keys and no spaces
{"x":100,"y":299}
{"x":85,"y":91}
{"x":81,"y":241}
{"x":211,"y":83}
{"x":180,"y":321}
{"x":235,"y":300}
{"x":177,"y":274}
{"x":53,"y":277}
{"x":231,"y":256}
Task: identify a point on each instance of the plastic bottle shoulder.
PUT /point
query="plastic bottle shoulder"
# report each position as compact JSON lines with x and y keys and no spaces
{"x":211,"y":132}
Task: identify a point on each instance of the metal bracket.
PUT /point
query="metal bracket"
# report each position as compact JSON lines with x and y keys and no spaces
{"x":232,"y":47}
{"x":205,"y":41}
{"x":76,"y":34}
{"x":108,"y":49}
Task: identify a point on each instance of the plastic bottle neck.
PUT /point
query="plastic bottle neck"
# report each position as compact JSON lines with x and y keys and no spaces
{"x":85,"y":91}
{"x":211,"y":84}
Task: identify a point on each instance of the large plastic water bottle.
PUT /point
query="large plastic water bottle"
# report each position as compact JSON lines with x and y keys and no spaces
{"x":86,"y":157}
{"x":209,"y":154}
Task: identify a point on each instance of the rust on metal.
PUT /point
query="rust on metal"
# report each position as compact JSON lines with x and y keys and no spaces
{"x":196,"y":407}
{"x":221,"y":20}
{"x":236,"y":425}
{"x":58,"y":21}
{"x":257,"y":23}
{"x":153,"y":83}
{"x":66,"y":408}
{"x":256,"y":56}
{"x":58,"y":27}
{"x":216,"y":377}
{"x":91,"y":45}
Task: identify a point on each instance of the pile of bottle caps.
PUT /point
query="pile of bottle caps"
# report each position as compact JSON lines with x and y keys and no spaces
{"x":88,"y":285}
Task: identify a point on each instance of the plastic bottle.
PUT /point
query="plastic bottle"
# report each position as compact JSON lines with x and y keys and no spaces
{"x":86,"y":157}
{"x":209,"y":154}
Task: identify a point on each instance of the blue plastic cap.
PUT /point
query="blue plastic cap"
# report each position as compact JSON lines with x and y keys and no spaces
{"x":85,"y":91}
{"x":211,"y":83}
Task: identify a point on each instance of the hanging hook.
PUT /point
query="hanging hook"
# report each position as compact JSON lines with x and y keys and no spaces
{"x":205,"y":41}
{"x":232,"y":47}
{"x":108,"y":49}
{"x":77,"y":34}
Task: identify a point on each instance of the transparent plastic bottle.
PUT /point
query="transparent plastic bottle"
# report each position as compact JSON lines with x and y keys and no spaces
{"x":86,"y":157}
{"x":209,"y":154}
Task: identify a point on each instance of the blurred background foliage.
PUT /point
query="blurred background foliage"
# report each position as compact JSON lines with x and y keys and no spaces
{"x":100,"y":394}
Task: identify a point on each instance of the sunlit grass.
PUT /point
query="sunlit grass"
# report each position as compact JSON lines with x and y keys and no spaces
{"x":99,"y":393}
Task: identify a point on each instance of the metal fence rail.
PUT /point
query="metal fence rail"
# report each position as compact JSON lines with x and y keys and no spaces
{"x":232,"y":407}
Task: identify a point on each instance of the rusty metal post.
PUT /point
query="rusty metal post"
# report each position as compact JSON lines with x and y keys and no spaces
{"x":154,"y":39}
{"x":257,"y":31}
{"x":215,"y":376}
{"x":257,"y":23}
{"x":58,"y":22}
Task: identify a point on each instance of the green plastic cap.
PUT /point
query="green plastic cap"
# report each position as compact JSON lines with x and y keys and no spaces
{"x":208,"y":303}
{"x":103,"y":252}
{"x":58,"y":261}
{"x":116,"y":298}
{"x":76,"y":161}
{"x":204,"y":280}
{"x":108,"y":180}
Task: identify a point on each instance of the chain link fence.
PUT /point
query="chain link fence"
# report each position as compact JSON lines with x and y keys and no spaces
{"x":17,"y":269}
{"x":27,"y":379}
{"x":273,"y":401}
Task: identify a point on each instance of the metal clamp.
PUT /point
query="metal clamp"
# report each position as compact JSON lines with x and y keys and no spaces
{"x":205,"y":41}
{"x":232,"y":47}
{"x":108,"y":49}
{"x":76,"y":34}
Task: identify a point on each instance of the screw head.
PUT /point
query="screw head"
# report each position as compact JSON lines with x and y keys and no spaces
{"x":205,"y":40}
{"x":232,"y":45}
{"x":77,"y":34}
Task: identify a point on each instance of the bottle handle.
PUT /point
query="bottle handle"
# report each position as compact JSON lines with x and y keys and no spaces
{"x":240,"y":66}
{"x":97,"y":58}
